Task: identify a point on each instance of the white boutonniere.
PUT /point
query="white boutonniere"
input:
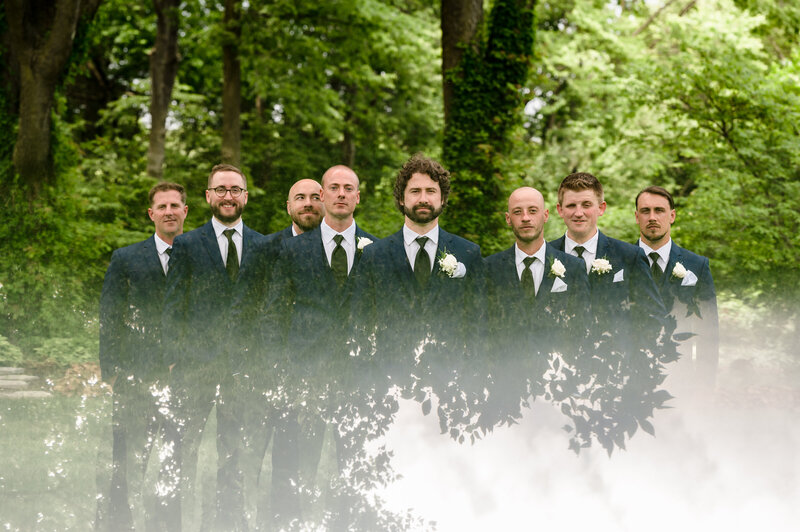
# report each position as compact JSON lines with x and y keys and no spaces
{"x":679,"y":271}
{"x":687,"y":277}
{"x":600,"y":266}
{"x":557,"y":269}
{"x":362,"y":242}
{"x":449,"y":264}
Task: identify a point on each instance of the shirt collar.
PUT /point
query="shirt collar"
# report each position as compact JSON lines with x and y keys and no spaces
{"x":410,"y":236}
{"x":590,"y":245}
{"x":161,"y":246}
{"x":328,"y":233}
{"x":219,"y":227}
{"x":521,"y":255}
{"x":663,"y":251}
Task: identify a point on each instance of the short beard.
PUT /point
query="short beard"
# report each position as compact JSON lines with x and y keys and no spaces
{"x":420,"y":218}
{"x":215,"y":209}
{"x":524,"y":238}
{"x":314,"y":223}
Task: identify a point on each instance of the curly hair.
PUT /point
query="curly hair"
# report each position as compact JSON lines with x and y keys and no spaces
{"x":419,"y":164}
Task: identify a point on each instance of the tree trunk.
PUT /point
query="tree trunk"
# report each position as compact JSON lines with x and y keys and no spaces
{"x":460,"y":22}
{"x":232,"y":84}
{"x":42,"y":34}
{"x":163,"y":70}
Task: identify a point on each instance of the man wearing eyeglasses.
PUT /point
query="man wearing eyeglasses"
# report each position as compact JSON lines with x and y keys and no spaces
{"x":206,"y":266}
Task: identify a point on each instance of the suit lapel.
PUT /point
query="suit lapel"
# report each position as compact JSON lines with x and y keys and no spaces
{"x":320,"y":267}
{"x":209,"y":239}
{"x":675,"y":256}
{"x":547,"y":280}
{"x":151,"y":259}
{"x":398,"y":262}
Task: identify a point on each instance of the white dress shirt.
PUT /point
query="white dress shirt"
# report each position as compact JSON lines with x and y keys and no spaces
{"x":589,"y":249}
{"x":412,"y":247}
{"x":161,"y":248}
{"x":663,"y":254}
{"x":537,"y":266}
{"x":222,"y":240}
{"x":348,"y":242}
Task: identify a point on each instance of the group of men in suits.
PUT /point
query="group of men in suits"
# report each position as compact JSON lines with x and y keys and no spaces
{"x":269,"y":328}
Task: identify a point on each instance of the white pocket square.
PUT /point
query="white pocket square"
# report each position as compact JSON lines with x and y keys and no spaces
{"x":619,"y":276}
{"x":559,"y":286}
{"x":690,"y":279}
{"x":460,"y":272}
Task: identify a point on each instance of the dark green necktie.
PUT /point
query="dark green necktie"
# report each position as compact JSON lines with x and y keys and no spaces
{"x":422,"y":264}
{"x":528,"y":285}
{"x":339,"y":260}
{"x":168,"y":251}
{"x":232,"y":260}
{"x":655,"y":268}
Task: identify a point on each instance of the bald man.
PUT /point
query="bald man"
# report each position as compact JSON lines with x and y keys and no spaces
{"x":307,"y":315}
{"x":304,"y":205}
{"x":538,"y":296}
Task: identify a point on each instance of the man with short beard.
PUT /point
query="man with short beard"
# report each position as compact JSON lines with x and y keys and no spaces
{"x":304,"y":206}
{"x":686,"y":286}
{"x":420,"y":289}
{"x":205,"y":267}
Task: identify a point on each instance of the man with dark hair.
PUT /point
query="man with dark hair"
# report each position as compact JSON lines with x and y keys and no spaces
{"x":624,"y":299}
{"x":207,"y":265}
{"x":420,"y":290}
{"x":686,"y":286}
{"x":130,"y":350}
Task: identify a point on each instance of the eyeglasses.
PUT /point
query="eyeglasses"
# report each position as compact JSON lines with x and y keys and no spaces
{"x":221,"y":191}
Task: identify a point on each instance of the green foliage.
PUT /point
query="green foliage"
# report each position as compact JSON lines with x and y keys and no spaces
{"x":485,"y":109}
{"x":10,"y":355}
{"x":63,"y":352}
{"x":702,"y":101}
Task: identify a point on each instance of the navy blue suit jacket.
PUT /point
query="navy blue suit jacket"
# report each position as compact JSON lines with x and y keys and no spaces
{"x":197,"y":320}
{"x":631,"y":309}
{"x":391,"y":305}
{"x":307,"y":316}
{"x":694,"y":307}
{"x":553,"y":321}
{"x":130,"y":312}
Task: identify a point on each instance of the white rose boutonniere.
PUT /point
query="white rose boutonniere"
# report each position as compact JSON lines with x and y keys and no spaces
{"x":449,"y":264}
{"x":600,"y":266}
{"x":557,"y":269}
{"x":679,"y":270}
{"x":363,"y":242}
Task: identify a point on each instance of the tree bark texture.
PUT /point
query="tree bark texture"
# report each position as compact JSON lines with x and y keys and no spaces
{"x":460,"y":22}
{"x":164,"y":60}
{"x":232,"y":84}
{"x":42,"y":34}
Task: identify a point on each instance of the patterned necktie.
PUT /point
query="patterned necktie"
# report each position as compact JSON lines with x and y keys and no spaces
{"x":339,"y":260}
{"x":528,"y":286}
{"x":655,"y":269}
{"x":232,"y":260}
{"x":422,"y":264}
